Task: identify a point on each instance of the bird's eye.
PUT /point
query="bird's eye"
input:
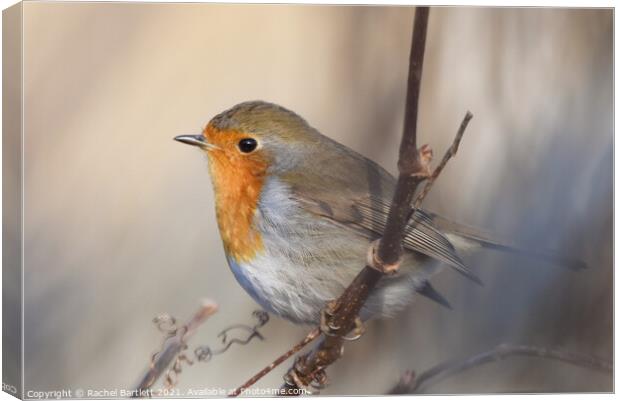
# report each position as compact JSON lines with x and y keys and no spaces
{"x":247,"y":145}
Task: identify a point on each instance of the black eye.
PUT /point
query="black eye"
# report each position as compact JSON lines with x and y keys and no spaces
{"x":247,"y":145}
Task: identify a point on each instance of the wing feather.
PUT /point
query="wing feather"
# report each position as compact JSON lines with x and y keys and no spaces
{"x":369,"y":216}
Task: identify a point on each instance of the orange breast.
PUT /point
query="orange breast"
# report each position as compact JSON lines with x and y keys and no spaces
{"x":237,"y":181}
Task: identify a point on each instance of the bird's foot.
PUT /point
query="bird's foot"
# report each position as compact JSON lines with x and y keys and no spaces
{"x":330,"y":329}
{"x":326,"y":325}
{"x":295,"y":379}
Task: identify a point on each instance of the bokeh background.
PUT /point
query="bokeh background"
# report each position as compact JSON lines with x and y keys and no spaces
{"x":119,"y":219}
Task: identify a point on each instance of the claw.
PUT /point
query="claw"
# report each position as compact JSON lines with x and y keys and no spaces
{"x":358,"y":331}
{"x":326,"y":326}
{"x":329,"y":329}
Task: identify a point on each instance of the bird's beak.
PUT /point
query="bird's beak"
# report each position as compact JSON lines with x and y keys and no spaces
{"x":194,"y":140}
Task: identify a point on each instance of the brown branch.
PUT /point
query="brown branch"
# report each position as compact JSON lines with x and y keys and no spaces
{"x":173,"y":345}
{"x":384,"y":255}
{"x":277,"y":362}
{"x":409,"y":383}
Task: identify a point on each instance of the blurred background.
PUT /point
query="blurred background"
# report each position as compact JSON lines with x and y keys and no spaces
{"x":112,"y":233}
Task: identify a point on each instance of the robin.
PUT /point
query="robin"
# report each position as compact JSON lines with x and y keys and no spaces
{"x":297,"y":212}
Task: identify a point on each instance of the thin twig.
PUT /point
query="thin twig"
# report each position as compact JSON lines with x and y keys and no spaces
{"x":450,"y":153}
{"x":205,"y":353}
{"x":298,"y":347}
{"x":173,"y":345}
{"x":409,"y":383}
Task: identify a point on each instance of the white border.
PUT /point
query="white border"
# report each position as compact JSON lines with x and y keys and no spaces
{"x":507,"y":3}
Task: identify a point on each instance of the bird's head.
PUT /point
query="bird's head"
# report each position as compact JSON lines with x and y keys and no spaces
{"x":254,"y":138}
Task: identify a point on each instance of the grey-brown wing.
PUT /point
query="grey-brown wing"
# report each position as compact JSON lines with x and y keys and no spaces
{"x":362,"y":199}
{"x":420,"y":235}
{"x":368,"y":214}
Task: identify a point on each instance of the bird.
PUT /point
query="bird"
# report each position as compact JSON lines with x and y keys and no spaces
{"x":297,"y":212}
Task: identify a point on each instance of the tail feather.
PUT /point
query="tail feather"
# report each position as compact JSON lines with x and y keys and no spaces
{"x":487,"y":240}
